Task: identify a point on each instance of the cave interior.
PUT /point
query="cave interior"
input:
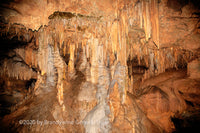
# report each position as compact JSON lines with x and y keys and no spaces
{"x":109,"y":66}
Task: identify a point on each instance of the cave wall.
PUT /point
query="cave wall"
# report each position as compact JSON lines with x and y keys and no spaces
{"x":109,"y":66}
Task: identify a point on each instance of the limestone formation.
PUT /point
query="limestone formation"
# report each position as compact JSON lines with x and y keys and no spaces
{"x":108,"y":66}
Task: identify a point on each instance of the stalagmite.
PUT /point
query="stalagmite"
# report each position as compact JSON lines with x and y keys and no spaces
{"x":60,"y":66}
{"x":114,"y":101}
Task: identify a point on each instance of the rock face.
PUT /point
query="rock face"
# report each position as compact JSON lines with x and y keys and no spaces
{"x":100,"y":66}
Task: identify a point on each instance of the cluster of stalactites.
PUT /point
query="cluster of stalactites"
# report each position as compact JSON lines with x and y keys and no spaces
{"x":145,"y":16}
{"x":50,"y":61}
{"x":25,"y":58}
{"x":101,"y":39}
{"x":159,"y":60}
{"x":103,"y":44}
{"x":143,"y":40}
{"x":17,"y":70}
{"x":16,"y":30}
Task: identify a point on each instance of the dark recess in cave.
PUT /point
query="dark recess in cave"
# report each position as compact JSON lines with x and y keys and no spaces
{"x":187,"y":124}
{"x":21,"y":87}
{"x":8,"y":45}
{"x":176,"y":5}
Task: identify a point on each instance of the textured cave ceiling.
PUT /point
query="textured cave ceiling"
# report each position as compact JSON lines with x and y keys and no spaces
{"x":130,"y":66}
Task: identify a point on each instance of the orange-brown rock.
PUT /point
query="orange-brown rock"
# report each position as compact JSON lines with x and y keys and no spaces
{"x":99,"y":66}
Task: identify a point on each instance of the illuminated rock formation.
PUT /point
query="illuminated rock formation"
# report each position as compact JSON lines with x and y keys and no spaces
{"x":99,"y":66}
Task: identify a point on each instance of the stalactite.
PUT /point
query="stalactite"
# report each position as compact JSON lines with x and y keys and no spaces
{"x":114,"y":36}
{"x":61,"y":34}
{"x":155,"y":21}
{"x":151,"y":62}
{"x":146,"y":18}
{"x":140,"y":14}
{"x":124,"y":33}
{"x":37,"y":39}
{"x":87,"y":51}
{"x":71,"y":59}
{"x":43,"y":51}
{"x":64,"y":48}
